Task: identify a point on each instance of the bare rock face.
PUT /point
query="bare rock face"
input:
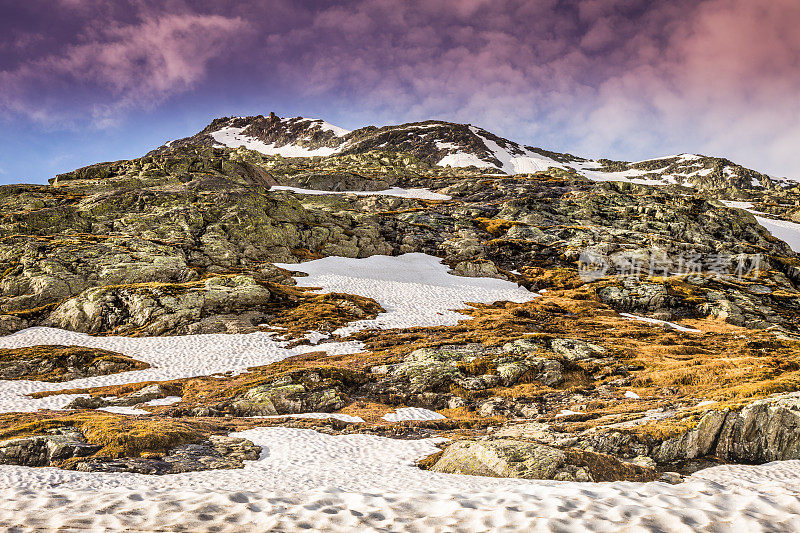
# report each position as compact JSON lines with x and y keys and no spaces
{"x":217,"y":453}
{"x":504,"y":457}
{"x":158,"y":308}
{"x":766,"y":430}
{"x":763,"y":431}
{"x":44,"y":450}
{"x":62,"y":444}
{"x":63,"y":363}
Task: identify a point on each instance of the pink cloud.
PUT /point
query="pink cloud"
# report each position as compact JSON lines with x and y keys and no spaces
{"x":716,"y":76}
{"x":139,"y":65}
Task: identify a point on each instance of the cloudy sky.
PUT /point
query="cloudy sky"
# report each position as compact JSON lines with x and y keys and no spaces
{"x":83,"y":81}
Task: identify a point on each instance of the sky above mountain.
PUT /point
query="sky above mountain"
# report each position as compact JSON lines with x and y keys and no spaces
{"x":83,"y":81}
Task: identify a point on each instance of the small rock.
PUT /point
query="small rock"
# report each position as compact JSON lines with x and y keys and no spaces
{"x":673,"y":478}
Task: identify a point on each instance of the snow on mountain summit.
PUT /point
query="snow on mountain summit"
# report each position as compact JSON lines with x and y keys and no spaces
{"x":446,"y":144}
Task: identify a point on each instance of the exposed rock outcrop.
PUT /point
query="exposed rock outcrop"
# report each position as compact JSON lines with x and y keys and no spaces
{"x":63,"y":363}
{"x":217,"y":453}
{"x":235,"y":305}
{"x":763,"y":431}
{"x":504,"y":457}
{"x":68,"y":446}
{"x":46,"y":450}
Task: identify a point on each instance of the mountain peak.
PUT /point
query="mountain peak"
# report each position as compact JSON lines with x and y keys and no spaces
{"x":441,"y":143}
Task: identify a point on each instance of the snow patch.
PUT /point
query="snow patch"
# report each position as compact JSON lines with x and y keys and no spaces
{"x":463,"y":159}
{"x":788,"y":232}
{"x":310,"y":480}
{"x":420,"y":194}
{"x":169,"y":400}
{"x":327,"y":126}
{"x":415,"y":289}
{"x":526,"y":163}
{"x":673,"y":325}
{"x":738,"y":205}
{"x":170,"y":358}
{"x":232,"y":137}
{"x":412,"y":413}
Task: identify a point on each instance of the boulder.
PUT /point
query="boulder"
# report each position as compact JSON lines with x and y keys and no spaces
{"x":576,"y":350}
{"x":156,"y":309}
{"x":217,"y":453}
{"x":505,"y":457}
{"x":481,"y":268}
{"x":57,"y":445}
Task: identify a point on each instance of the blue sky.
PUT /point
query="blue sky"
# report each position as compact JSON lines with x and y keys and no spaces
{"x":83,"y":81}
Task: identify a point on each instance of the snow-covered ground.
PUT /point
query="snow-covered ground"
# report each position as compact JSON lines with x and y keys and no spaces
{"x":511,"y":163}
{"x":324,"y":126}
{"x":526,"y":163}
{"x":589,"y":169}
{"x":738,"y":205}
{"x":421,"y":194}
{"x":414,"y":289}
{"x":788,"y":232}
{"x":169,"y":357}
{"x":463,"y":159}
{"x":412,"y":413}
{"x":309,"y":480}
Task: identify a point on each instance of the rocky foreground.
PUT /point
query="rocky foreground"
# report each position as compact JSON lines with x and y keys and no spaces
{"x":574,"y":384}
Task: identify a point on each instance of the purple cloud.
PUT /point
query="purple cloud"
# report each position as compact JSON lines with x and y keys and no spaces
{"x":619,"y":78}
{"x":120,"y":67}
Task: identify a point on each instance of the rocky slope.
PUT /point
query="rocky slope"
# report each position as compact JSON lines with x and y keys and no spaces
{"x":593,"y":379}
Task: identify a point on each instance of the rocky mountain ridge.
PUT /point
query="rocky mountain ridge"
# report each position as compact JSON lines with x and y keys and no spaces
{"x":444,"y":144}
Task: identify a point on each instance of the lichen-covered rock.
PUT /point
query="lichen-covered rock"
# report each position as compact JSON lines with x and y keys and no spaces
{"x":504,"y":457}
{"x":217,"y":453}
{"x":765,"y":430}
{"x":482,"y":268}
{"x":427,"y":376}
{"x":285,"y":397}
{"x":320,"y":389}
{"x":155,"y":309}
{"x":576,"y":350}
{"x":46,"y":450}
{"x":63,"y":363}
{"x":639,"y":298}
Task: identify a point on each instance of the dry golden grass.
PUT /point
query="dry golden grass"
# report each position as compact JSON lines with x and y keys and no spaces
{"x":131,"y":437}
{"x":322,"y":312}
{"x":118,"y":436}
{"x":495,"y":227}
